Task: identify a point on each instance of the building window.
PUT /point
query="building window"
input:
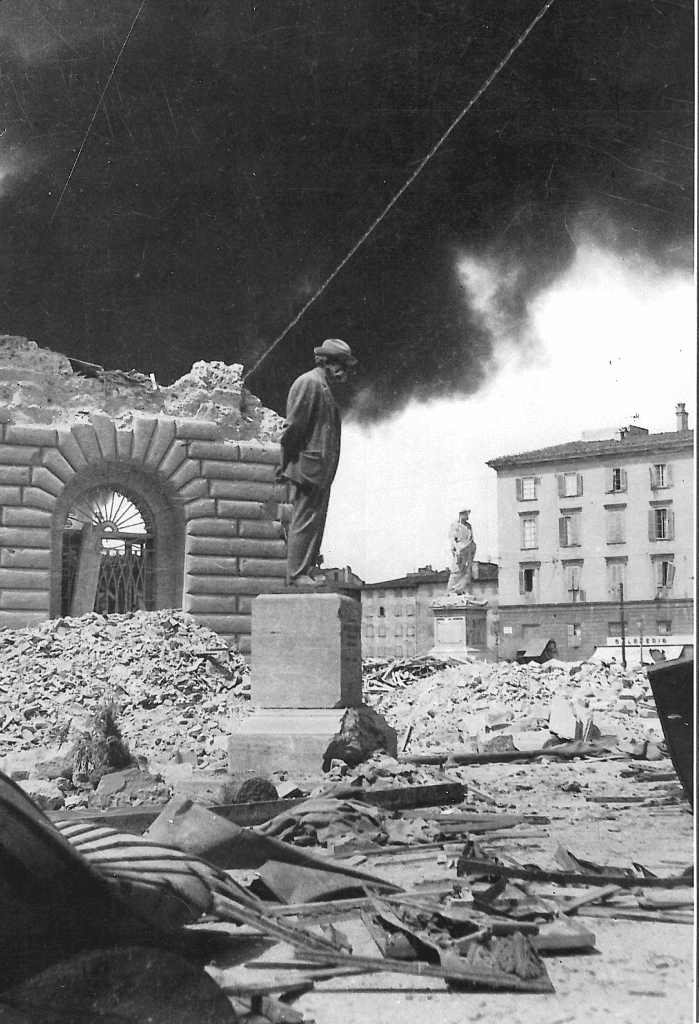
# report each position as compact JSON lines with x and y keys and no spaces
{"x":664,"y":627}
{"x":410,"y":630}
{"x":574,"y":634}
{"x":573,"y":576}
{"x":616,"y":574}
{"x":399,"y":650}
{"x":614,"y":628}
{"x":398,"y":631}
{"x":381,"y":593}
{"x":530,"y":532}
{"x":616,"y":481}
{"x":569,"y":529}
{"x":527,"y":488}
{"x":382,"y":629}
{"x":661,"y":524}
{"x":410,"y":609}
{"x":616,"y":526}
{"x":664,"y":572}
{"x":570,"y":485}
{"x":660,"y":475}
{"x":398,"y":609}
{"x":381,"y":650}
{"x":382,"y":612}
{"x":369,"y":630}
{"x":528,"y":579}
{"x":410,"y":650}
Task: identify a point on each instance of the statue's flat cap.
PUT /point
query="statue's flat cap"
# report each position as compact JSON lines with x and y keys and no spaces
{"x":334,"y":348}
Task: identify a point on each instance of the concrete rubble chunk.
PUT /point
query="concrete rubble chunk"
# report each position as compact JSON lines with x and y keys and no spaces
{"x":563,"y":721}
{"x":45,"y":794}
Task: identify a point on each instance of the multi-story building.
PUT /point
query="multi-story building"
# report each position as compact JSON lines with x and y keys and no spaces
{"x":576,"y":520}
{"x":397,"y":620}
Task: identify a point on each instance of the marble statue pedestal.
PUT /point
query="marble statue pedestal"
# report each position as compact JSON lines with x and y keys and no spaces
{"x":306,"y":674}
{"x":460,"y":627}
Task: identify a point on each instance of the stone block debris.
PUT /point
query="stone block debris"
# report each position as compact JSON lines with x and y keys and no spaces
{"x":483,"y":706}
{"x":177,"y":688}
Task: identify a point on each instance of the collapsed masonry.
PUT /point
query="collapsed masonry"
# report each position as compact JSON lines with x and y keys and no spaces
{"x":117,"y":494}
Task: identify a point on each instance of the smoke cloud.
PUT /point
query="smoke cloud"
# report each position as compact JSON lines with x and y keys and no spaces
{"x":240,"y":151}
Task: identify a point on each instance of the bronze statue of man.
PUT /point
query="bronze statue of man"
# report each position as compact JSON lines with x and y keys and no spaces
{"x":310,"y":455}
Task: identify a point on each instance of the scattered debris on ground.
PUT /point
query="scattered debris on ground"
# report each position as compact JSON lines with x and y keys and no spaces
{"x":488,"y":708}
{"x":532,"y":812}
{"x":173,"y":689}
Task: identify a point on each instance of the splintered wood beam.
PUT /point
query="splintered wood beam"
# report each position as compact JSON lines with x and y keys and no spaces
{"x":472,"y":866}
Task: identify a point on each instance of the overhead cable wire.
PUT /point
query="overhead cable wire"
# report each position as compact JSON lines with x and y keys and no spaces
{"x":96,"y":111}
{"x":389,"y":206}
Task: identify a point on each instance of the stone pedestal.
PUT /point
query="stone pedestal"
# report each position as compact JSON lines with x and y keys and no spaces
{"x":306,"y":651}
{"x":306,"y":674}
{"x":460,"y":627}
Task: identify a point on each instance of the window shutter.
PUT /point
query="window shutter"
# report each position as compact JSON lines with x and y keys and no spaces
{"x":609,"y":480}
{"x":579,"y":481}
{"x":611,"y":528}
{"x":651,"y":524}
{"x":670,"y":525}
{"x":670,"y":575}
{"x":581,"y":595}
{"x":621,"y":527}
{"x":668,"y":475}
{"x":561,"y":485}
{"x":624,"y":479}
{"x":518,"y":485}
{"x":653,"y":482}
{"x":575,"y":529}
{"x":562,"y":532}
{"x":521,"y":581}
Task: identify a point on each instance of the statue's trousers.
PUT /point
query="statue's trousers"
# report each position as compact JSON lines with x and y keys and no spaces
{"x":306,"y":528}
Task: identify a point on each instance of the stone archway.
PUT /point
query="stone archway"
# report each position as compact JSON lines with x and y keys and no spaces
{"x":139,"y":530}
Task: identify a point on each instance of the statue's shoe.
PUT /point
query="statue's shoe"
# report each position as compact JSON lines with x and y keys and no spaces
{"x":307,"y":581}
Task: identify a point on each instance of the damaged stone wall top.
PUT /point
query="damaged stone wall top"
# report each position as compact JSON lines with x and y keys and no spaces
{"x":41,"y":386}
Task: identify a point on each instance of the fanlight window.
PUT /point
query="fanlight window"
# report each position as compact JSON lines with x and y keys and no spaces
{"x":107,"y":554}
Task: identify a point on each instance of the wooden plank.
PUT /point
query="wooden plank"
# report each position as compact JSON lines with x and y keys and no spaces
{"x":631,"y":914}
{"x":486,"y":867}
{"x":138,"y":819}
{"x":590,"y":897}
{"x":565,"y":750}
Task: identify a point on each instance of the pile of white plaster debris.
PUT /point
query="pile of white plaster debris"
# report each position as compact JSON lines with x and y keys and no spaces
{"x":175,"y":685}
{"x":484,"y":707}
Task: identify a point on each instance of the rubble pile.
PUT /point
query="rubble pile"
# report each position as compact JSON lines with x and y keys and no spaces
{"x":41,"y":386}
{"x":383,"y":675}
{"x":484,"y":708}
{"x":175,"y":685}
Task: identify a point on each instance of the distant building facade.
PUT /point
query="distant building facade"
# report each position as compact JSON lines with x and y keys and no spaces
{"x":576,"y":520}
{"x":397,"y":620}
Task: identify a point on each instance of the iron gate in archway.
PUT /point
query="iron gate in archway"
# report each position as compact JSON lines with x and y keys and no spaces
{"x":123,"y":579}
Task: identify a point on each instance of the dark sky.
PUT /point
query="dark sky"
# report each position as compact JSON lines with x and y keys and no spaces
{"x":242,"y":148}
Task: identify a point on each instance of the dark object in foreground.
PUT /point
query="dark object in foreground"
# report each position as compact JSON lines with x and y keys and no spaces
{"x":672,"y":683}
{"x":135,"y":984}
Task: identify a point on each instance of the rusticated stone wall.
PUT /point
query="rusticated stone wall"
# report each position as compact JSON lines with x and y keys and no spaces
{"x":218,"y":539}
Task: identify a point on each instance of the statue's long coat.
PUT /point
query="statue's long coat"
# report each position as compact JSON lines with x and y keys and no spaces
{"x":310,"y":455}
